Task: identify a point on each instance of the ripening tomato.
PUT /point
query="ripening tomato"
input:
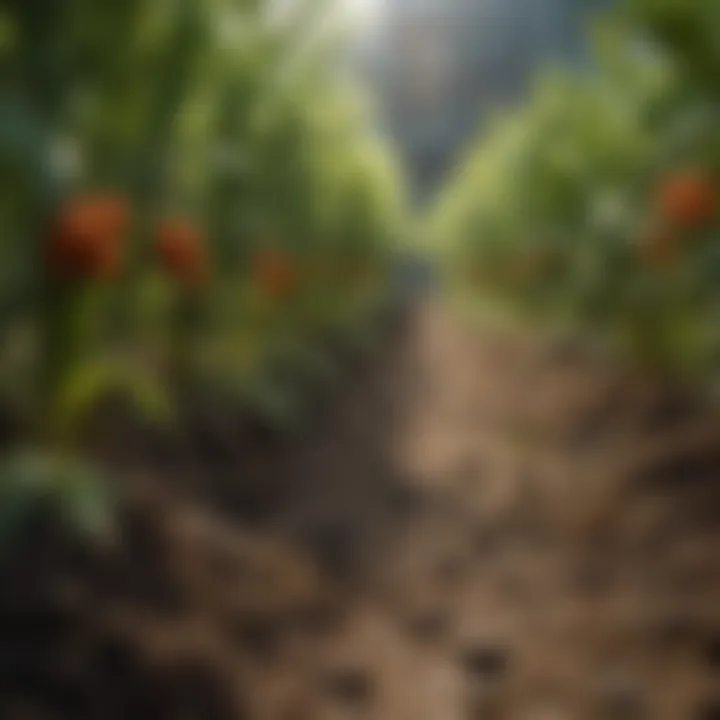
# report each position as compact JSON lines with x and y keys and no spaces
{"x":182,"y":253}
{"x":688,"y":199}
{"x":108,"y":261}
{"x":86,"y":238}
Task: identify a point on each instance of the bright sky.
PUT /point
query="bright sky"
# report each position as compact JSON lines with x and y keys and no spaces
{"x":362,"y":11}
{"x":361,"y":14}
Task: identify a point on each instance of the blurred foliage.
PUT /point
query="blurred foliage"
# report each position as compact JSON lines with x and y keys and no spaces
{"x":236,"y":122}
{"x":35,"y":486}
{"x":595,"y":207}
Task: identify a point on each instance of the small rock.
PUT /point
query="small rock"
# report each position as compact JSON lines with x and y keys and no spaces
{"x":489,"y":662}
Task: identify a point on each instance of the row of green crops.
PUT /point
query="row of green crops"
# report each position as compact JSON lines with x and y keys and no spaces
{"x":596,"y":207}
{"x":188,"y":195}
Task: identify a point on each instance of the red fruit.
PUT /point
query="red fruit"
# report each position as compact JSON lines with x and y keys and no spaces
{"x":688,"y":199}
{"x":108,"y":261}
{"x":182,"y":253}
{"x":86,"y":238}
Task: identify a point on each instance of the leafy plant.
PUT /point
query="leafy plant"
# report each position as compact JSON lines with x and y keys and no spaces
{"x":595,"y":207}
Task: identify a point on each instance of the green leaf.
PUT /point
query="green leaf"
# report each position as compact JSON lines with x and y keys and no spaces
{"x":32,"y":480}
{"x":92,"y":382}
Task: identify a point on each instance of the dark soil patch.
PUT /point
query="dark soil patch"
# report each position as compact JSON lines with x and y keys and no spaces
{"x":163,"y":621}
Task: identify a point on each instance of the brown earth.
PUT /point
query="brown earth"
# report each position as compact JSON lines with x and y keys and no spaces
{"x":482,"y":526}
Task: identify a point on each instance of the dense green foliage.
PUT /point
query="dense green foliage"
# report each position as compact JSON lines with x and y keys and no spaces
{"x":566,"y":213}
{"x":238,"y":122}
{"x":189,"y":195}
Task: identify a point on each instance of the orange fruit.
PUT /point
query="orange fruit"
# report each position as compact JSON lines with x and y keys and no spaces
{"x":182,"y":253}
{"x":86,"y":238}
{"x":688,"y":199}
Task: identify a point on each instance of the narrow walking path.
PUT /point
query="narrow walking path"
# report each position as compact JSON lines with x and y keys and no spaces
{"x":561,"y":560}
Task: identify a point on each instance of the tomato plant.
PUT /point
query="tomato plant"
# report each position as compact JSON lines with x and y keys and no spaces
{"x":190,"y":195}
{"x":594,"y":207}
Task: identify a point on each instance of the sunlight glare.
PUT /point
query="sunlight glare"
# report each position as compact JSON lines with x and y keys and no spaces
{"x":362,"y":12}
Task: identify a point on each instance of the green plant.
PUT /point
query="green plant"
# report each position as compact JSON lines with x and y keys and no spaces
{"x":595,"y":207}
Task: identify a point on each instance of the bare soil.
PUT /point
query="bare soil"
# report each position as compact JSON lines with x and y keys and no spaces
{"x":481,"y":526}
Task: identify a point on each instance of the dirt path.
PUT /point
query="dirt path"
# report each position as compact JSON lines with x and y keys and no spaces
{"x":482,"y":529}
{"x":563,"y":560}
